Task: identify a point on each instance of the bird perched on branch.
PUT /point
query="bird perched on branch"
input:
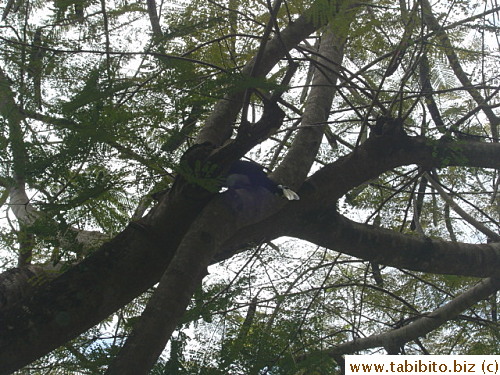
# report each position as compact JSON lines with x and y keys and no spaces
{"x":248,"y":174}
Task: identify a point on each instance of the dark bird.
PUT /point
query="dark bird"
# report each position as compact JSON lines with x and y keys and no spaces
{"x":248,"y":174}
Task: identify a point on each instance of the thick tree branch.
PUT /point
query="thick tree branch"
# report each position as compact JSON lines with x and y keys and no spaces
{"x":218,"y":126}
{"x":299,"y":158}
{"x":14,"y":281}
{"x":331,"y":230}
{"x":154,"y":19}
{"x":87,"y":293}
{"x":380,"y":154}
{"x":224,"y":215}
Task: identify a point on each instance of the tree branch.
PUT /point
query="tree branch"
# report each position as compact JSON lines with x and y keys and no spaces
{"x":394,"y":339}
{"x":154,"y":19}
{"x":451,"y":203}
{"x":28,"y":216}
{"x":217,"y":128}
{"x":12,"y":113}
{"x":208,"y":232}
{"x":299,"y":158}
{"x":394,"y":249}
{"x":454,"y":61}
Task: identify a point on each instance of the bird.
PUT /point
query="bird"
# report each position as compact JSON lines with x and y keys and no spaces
{"x":245,"y":174}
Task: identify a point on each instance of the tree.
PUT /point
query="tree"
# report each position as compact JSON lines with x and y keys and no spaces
{"x":117,"y":135}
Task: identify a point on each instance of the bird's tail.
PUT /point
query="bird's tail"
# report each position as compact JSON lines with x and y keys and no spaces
{"x":288,"y":193}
